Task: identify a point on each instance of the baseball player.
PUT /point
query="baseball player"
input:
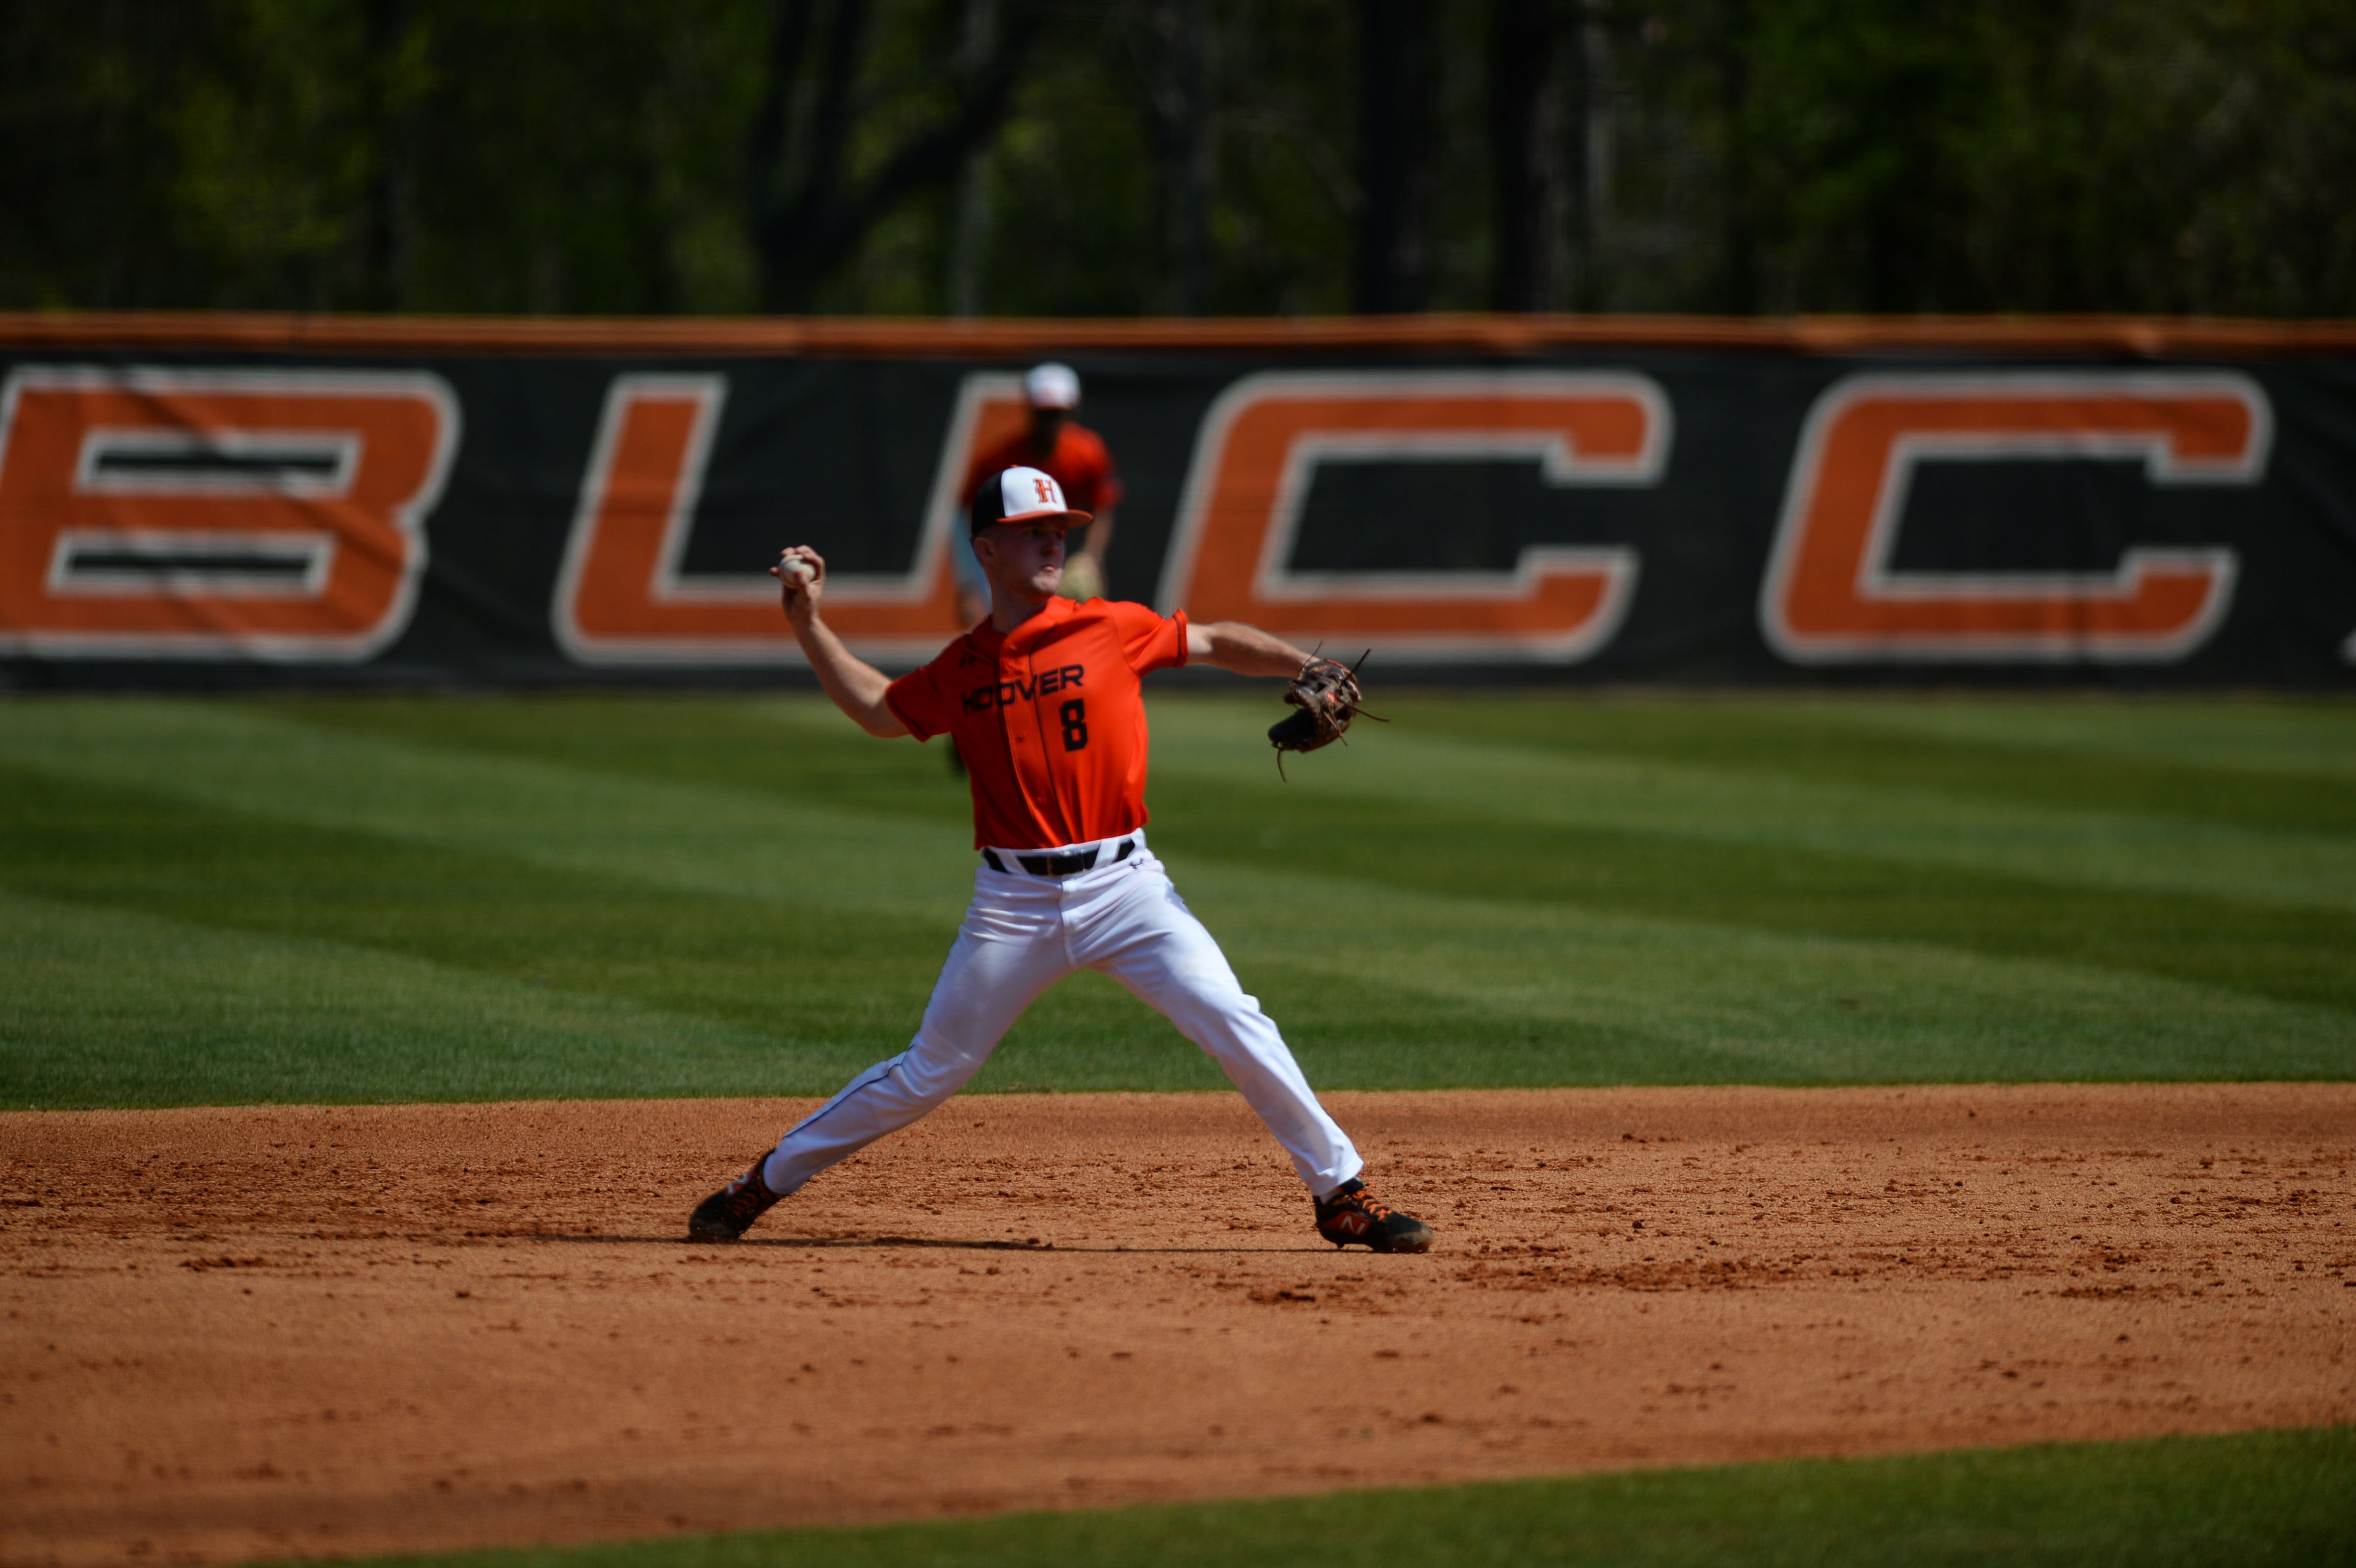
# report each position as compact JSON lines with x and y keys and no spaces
{"x":1044,"y":700}
{"x":1075,"y":456}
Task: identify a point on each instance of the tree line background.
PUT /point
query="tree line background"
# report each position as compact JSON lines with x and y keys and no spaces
{"x":1078,"y":157}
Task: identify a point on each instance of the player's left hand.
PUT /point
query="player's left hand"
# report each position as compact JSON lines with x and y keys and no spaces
{"x":1326,"y":692}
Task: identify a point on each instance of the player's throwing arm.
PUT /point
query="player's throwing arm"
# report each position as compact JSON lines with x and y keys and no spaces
{"x":856,"y":686}
{"x":1043,"y":699}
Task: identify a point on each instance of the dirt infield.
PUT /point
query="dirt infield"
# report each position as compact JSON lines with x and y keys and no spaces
{"x":259,"y":1332}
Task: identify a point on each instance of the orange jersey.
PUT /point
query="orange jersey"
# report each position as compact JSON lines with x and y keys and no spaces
{"x":1079,"y":463}
{"x":1050,"y":718}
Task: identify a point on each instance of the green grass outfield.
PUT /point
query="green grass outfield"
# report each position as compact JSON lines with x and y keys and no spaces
{"x":238,"y":900}
{"x":2266,"y":1498}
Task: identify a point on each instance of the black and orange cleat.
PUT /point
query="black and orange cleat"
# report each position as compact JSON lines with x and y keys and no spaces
{"x":727,"y":1213}
{"x":1350,"y":1213}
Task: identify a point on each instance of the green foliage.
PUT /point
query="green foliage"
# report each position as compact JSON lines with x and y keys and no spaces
{"x":364,"y":898}
{"x":492,"y":155}
{"x":2015,"y":155}
{"x":597,"y":156}
{"x":2251,"y":1499}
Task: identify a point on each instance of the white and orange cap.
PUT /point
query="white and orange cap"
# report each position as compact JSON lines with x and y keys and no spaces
{"x":1052,"y":386}
{"x":1023,"y":495}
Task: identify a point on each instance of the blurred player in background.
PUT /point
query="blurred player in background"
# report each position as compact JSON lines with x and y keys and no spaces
{"x":1076,"y":455}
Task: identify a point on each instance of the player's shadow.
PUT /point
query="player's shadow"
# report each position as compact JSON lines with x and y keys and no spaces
{"x":853,"y":1243}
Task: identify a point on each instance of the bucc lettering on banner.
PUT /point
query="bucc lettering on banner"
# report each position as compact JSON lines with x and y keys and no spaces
{"x":1260,"y":451}
{"x":205,"y":514}
{"x":1831,"y":595}
{"x":622,"y":598}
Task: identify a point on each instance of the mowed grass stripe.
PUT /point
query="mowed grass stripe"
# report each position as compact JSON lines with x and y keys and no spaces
{"x":690,"y":952}
{"x":800,"y":748}
{"x":1477,"y":824}
{"x":2288,"y":954}
{"x":1709,"y":807}
{"x":709,"y":834}
{"x":825,"y":989}
{"x":1566,"y":996}
{"x":1470,"y":839}
{"x":2281,"y":765}
{"x":2309,"y":736}
{"x":2266,"y":1498}
{"x":1209,"y":756}
{"x":1432,"y":992}
{"x":758,"y":866}
{"x":111,"y":1007}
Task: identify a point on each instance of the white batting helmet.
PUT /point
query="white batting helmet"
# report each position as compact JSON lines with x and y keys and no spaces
{"x":1052,"y":386}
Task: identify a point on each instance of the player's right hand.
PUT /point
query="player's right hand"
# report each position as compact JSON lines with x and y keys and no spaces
{"x":801,"y":573}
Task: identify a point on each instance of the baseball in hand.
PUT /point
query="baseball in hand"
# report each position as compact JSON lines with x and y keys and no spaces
{"x":798,"y":573}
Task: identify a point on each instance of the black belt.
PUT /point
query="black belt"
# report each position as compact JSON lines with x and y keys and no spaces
{"x":1070,"y":864}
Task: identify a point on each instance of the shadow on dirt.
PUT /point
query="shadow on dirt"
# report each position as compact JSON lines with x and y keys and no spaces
{"x":839,"y":1243}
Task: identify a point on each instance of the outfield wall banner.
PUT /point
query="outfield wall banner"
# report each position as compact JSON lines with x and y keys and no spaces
{"x":244,"y":502}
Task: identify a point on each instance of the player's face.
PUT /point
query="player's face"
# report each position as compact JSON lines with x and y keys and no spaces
{"x":1027,"y":559}
{"x":1047,"y":424}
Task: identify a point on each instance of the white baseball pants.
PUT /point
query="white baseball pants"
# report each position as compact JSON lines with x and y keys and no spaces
{"x":1024,"y":933}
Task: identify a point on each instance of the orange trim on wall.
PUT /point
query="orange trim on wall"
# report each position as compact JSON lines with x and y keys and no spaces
{"x":904,"y":338}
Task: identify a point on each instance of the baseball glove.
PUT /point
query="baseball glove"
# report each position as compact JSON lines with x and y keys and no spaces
{"x":1326,"y":692}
